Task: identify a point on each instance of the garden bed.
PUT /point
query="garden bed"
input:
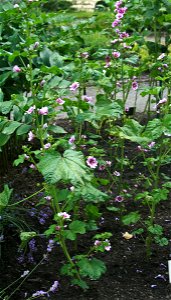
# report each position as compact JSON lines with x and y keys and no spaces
{"x":129,"y":275}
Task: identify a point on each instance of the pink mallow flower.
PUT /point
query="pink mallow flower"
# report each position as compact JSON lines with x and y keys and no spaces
{"x":116,"y":54}
{"x":16,"y":69}
{"x":162,"y":101}
{"x":119,"y":198}
{"x":115,"y":23}
{"x":71,"y":140}
{"x":118,"y":4}
{"x":64,"y":215}
{"x":74,"y":86}
{"x":92,"y":162}
{"x":134,"y":85}
{"x":152,"y":144}
{"x":47,"y":146}
{"x":87,"y":99}
{"x":60,"y":101}
{"x":31,"y":110}
{"x":43,"y":111}
{"x":30,"y":136}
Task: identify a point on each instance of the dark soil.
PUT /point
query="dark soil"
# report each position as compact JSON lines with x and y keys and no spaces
{"x":129,"y":274}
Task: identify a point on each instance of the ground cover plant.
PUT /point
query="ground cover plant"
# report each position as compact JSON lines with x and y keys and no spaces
{"x":85,"y":181}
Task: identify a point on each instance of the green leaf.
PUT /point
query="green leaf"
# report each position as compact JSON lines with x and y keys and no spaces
{"x":132,"y":217}
{"x":92,"y":268}
{"x":56,"y":129}
{"x":132,"y":131}
{"x":68,"y":167}
{"x":4,"y":139}
{"x":156,"y":229}
{"x":25,"y":237}
{"x":77,"y":227}
{"x":11,"y":127}
{"x":19,"y":160}
{"x":90,"y":193}
{"x":80,"y":283}
{"x":24,"y":128}
{"x":5,"y":197}
{"x":153,"y":130}
{"x":5,"y":107}
{"x":68,"y":234}
{"x":4,"y":77}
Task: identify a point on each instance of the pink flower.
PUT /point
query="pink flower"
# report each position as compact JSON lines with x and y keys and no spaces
{"x":116,"y":54}
{"x":116,"y":173}
{"x":124,"y":35}
{"x":162,"y":101}
{"x":108,"y":163}
{"x":36,"y":45}
{"x":92,"y":162}
{"x":87,"y":99}
{"x":43,"y":111}
{"x":122,"y":10}
{"x":97,"y":243}
{"x":102,"y":167}
{"x":64,"y":215}
{"x":74,"y":86}
{"x":118,"y":4}
{"x":48,"y":198}
{"x":161,"y":56}
{"x":32,"y":166}
{"x":42,"y":82}
{"x":31,"y":110}
{"x":119,"y":16}
{"x":85,"y":54}
{"x":115,"y":23}
{"x":71,"y":140}
{"x":60,"y":101}
{"x":152,"y":144}
{"x":134,"y":85}
{"x":30,"y":136}
{"x":119,"y":198}
{"x":16,"y":69}
{"x":47,"y":146}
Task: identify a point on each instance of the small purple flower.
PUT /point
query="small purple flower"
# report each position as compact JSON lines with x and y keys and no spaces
{"x":74,"y":86}
{"x":30,"y":258}
{"x":47,"y":146}
{"x":87,"y":99}
{"x":85,"y":55}
{"x":116,"y":173}
{"x":31,"y":110}
{"x":119,"y":198}
{"x":43,"y":111}
{"x":54,"y":287}
{"x":152,"y":144}
{"x":30,"y":136}
{"x":60,"y":101}
{"x":48,"y":198}
{"x":32,"y":166}
{"x":32,"y":245}
{"x":42,"y":221}
{"x":134,"y":85}
{"x":39,"y":293}
{"x":92,"y":162}
{"x":115,"y":23}
{"x":16,"y":69}
{"x":36,"y":45}
{"x":71,"y":140}
{"x":116,"y":54}
{"x":42,"y":82}
{"x":50,"y":245}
